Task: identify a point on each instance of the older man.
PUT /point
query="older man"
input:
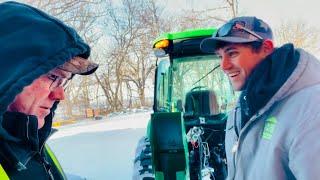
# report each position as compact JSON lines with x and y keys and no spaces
{"x":38,"y":57}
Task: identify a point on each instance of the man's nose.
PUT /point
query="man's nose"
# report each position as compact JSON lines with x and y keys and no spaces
{"x":225,"y":63}
{"x":57,"y":94}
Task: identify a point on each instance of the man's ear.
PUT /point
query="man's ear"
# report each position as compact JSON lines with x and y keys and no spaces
{"x":268,"y":46}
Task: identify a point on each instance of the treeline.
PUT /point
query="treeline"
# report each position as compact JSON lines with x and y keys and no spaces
{"x":121,"y":34}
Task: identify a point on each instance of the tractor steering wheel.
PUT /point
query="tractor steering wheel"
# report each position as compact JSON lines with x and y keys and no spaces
{"x":199,"y":87}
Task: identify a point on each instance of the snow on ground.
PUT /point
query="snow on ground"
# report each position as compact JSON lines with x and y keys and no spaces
{"x":100,"y":149}
{"x":133,"y":121}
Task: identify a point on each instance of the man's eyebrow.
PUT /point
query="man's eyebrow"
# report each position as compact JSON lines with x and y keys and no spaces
{"x":229,"y":48}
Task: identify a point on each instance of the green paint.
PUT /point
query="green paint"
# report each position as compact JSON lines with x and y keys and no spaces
{"x":193,"y":33}
{"x":159,"y":175}
{"x":3,"y":174}
{"x":269,"y":128}
{"x":55,"y":160}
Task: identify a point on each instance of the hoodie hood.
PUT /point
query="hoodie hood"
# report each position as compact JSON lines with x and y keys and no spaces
{"x":267,"y":78}
{"x":305,"y":75}
{"x":33,"y":43}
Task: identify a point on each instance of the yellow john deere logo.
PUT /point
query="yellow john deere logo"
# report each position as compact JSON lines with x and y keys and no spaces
{"x":269,"y":128}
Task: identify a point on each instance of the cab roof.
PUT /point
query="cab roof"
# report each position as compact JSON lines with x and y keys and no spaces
{"x":191,"y":33}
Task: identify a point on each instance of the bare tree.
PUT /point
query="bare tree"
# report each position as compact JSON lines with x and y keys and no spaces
{"x":300,"y":34}
{"x":121,"y":36}
{"x":80,"y":14}
{"x":140,"y":65}
{"x":233,"y":6}
{"x":220,"y":12}
{"x":131,"y":30}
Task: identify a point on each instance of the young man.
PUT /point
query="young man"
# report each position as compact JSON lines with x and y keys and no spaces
{"x":39,"y":56}
{"x":272,"y":132}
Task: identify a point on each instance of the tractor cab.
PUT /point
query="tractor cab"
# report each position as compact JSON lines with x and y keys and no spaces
{"x":192,"y":97}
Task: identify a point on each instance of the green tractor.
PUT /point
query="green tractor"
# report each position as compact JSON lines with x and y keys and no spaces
{"x":185,"y":136}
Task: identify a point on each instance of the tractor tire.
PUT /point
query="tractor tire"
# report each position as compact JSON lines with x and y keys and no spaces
{"x":142,"y":169}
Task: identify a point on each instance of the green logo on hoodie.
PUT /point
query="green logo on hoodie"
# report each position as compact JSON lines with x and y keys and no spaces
{"x":269,"y":128}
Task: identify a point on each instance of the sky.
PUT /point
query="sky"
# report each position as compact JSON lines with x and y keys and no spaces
{"x":271,"y":11}
{"x":276,"y":11}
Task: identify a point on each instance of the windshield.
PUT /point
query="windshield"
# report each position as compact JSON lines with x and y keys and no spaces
{"x":200,"y":73}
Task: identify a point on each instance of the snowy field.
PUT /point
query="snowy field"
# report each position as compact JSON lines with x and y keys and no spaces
{"x":100,"y":149}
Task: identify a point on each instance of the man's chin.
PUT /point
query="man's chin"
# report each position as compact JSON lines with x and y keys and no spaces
{"x":237,"y":87}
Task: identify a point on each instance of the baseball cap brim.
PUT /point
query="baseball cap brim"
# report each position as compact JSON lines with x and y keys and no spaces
{"x":210,"y":45}
{"x":79,"y":65}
